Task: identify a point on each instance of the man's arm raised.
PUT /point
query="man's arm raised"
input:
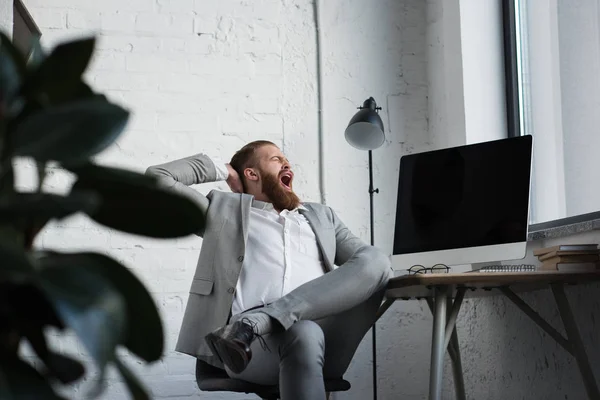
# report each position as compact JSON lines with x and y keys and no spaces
{"x":178,"y":175}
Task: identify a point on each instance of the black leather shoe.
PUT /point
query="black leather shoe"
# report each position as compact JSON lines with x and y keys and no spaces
{"x":231,"y":344}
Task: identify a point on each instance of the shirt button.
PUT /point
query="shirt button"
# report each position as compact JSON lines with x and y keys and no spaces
{"x":231,"y":290}
{"x":241,"y":258}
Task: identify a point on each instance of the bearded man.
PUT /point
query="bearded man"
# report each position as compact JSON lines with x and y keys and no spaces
{"x":283,"y":292}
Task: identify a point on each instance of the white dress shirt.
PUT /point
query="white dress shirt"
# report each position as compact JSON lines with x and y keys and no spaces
{"x":281,"y":254}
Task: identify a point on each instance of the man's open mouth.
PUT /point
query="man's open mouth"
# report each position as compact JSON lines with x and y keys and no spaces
{"x":286,"y":179}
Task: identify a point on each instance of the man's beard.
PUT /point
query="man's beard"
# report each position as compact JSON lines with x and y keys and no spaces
{"x":282,"y":199}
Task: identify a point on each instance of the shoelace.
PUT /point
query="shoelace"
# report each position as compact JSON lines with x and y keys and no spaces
{"x":261,"y":340}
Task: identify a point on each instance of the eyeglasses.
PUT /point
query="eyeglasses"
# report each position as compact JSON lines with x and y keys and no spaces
{"x":436,"y":269}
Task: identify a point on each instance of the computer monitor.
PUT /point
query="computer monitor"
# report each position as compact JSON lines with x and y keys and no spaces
{"x":463,"y":205}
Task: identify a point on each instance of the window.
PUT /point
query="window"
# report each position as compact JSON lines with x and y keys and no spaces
{"x":556,"y":59}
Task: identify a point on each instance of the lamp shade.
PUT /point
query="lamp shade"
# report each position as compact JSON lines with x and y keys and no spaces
{"x":365,"y":130}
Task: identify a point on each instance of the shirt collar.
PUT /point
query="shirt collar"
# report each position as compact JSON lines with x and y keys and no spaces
{"x":263,"y":205}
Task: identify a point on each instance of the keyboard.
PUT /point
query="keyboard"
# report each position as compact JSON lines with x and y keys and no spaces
{"x":508,"y":268}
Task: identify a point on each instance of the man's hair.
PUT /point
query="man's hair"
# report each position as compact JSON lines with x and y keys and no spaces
{"x":246,"y":157}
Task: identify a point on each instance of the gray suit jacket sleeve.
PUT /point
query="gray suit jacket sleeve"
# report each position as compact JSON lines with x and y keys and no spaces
{"x":178,"y":175}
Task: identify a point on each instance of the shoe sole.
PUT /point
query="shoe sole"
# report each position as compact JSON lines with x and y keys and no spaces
{"x":228,"y":353}
{"x":210,"y":341}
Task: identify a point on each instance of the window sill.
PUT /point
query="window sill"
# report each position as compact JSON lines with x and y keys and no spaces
{"x":564,"y":227}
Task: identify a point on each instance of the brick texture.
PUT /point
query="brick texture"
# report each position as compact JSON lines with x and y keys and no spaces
{"x":206,"y":75}
{"x":6,"y":16}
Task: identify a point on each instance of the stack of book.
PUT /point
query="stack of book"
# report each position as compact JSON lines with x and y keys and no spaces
{"x":569,"y":257}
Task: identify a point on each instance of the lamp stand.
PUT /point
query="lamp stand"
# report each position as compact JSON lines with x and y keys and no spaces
{"x":366,"y":132}
{"x":371,"y":193}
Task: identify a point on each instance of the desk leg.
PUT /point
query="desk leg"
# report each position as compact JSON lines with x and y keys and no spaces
{"x":454,"y":352}
{"x":575,"y":340}
{"x":459,"y":382}
{"x":437,"y":347}
{"x":383,"y":308}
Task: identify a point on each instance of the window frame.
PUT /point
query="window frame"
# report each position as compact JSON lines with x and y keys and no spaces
{"x":518,"y":91}
{"x":511,"y":68}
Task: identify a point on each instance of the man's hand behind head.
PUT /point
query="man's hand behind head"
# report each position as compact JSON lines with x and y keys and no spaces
{"x":234,"y":181}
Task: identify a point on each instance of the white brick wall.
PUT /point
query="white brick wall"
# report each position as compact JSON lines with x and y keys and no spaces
{"x":6,"y":17}
{"x":209,"y":76}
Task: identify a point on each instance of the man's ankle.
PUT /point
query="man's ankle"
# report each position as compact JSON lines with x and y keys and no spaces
{"x":262,"y":323}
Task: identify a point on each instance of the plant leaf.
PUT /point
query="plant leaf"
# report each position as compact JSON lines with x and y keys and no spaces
{"x":22,"y":208}
{"x":30,"y":212}
{"x":12,"y":69}
{"x":15,"y":264}
{"x":135,"y":203}
{"x":137,"y":390}
{"x":68,"y":61}
{"x":20,"y":381}
{"x":63,"y":368}
{"x":16,"y":55}
{"x":144,"y":336}
{"x":56,"y":94}
{"x":37,"y":54}
{"x":24,"y":307}
{"x":70,"y":132}
{"x":4,"y":392}
{"x":90,"y":305}
{"x":41,"y":174}
{"x":66,"y":369}
{"x":60,"y":71}
{"x":24,"y":107}
{"x":9,"y":80}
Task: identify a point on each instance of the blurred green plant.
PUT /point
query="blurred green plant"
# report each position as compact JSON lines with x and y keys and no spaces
{"x":48,"y":114}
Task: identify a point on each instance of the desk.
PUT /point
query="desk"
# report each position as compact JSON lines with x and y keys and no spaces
{"x":444,"y":294}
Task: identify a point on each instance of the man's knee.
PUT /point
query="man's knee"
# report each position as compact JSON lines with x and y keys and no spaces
{"x":378,"y":269}
{"x":304,"y":341}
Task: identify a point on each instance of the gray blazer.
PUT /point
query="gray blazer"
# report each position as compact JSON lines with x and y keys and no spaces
{"x":223,"y":247}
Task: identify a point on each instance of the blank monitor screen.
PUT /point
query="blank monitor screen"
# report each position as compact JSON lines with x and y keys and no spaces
{"x":467,"y":196}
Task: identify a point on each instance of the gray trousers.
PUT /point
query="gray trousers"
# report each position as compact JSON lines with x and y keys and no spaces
{"x":322,"y":324}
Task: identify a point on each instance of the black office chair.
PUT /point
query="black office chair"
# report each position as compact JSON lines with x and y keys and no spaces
{"x":213,"y":379}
